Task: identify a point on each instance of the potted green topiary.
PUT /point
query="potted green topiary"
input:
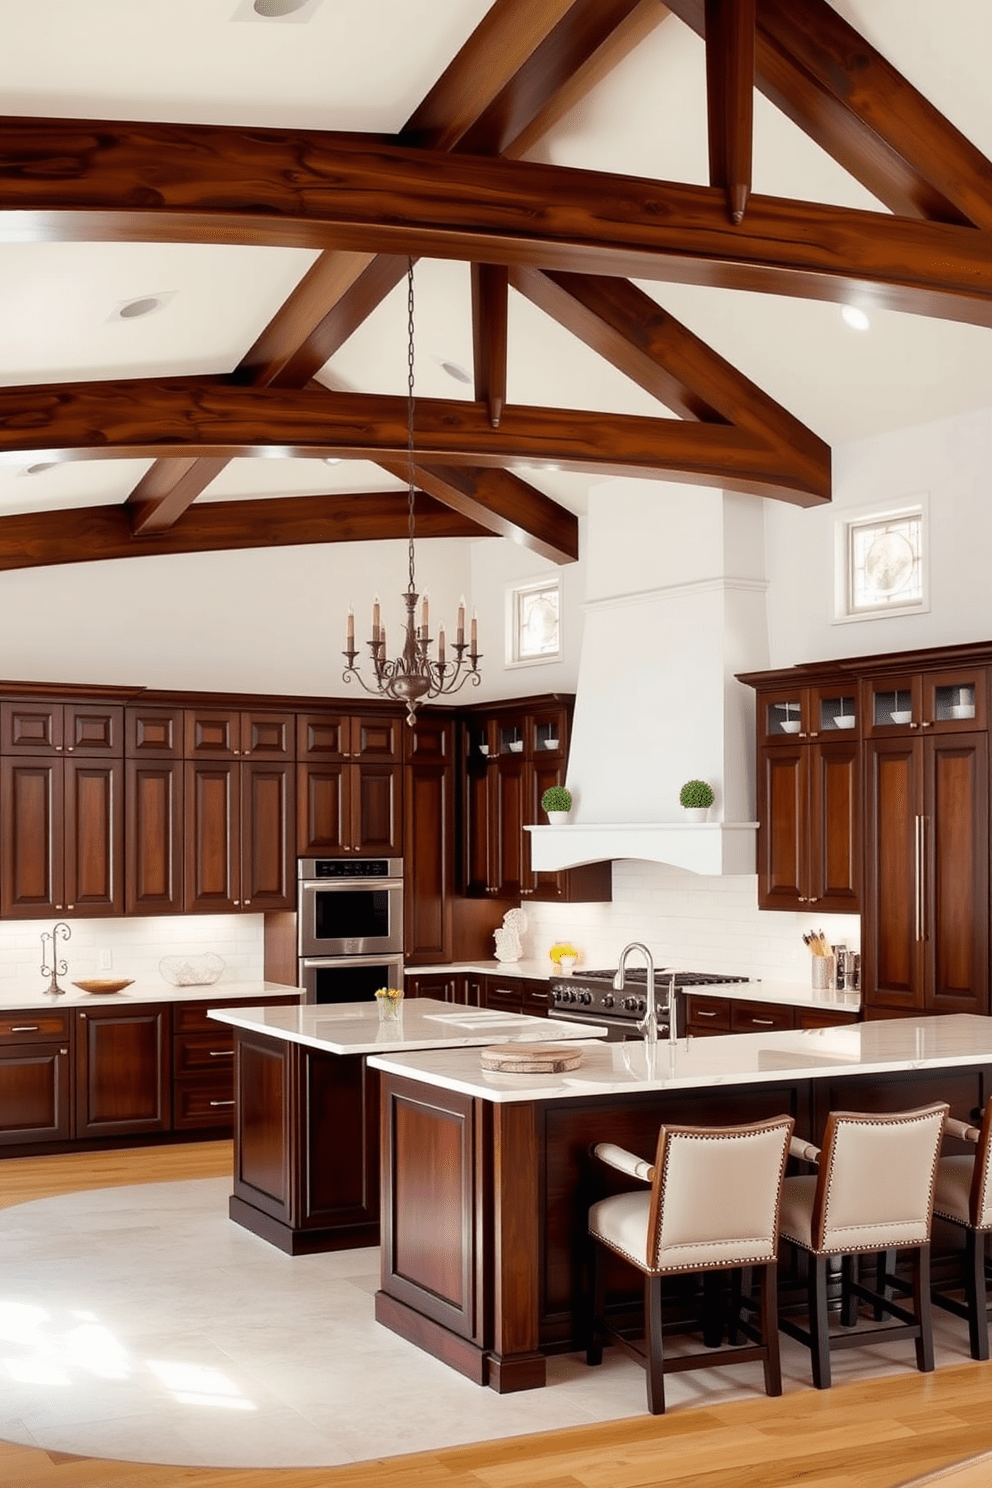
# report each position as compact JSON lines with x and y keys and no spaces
{"x":697,"y":798}
{"x":557,"y":802}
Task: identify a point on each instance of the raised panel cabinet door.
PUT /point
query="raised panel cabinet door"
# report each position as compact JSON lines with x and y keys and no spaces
{"x":94,"y":836}
{"x":268,"y":836}
{"x":955,"y":853}
{"x":430,"y":741}
{"x":377,"y":738}
{"x":427,"y":882}
{"x":323,"y":736}
{"x":212,"y":847}
{"x":479,"y":837}
{"x":892,"y":950}
{"x":783,"y":826}
{"x":34,"y":1094}
{"x":212,"y":733}
{"x":153,"y":733}
{"x":539,"y":776}
{"x":31,"y":810}
{"x":269,"y":736}
{"x":93,"y":728}
{"x":31,"y":727}
{"x":834,"y":855}
{"x":511,"y":813}
{"x":123,"y":1071}
{"x":323,"y":808}
{"x":153,"y":816}
{"x":377,"y":810}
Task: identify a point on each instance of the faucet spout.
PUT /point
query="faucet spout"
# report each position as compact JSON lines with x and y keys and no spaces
{"x":649,"y":1023}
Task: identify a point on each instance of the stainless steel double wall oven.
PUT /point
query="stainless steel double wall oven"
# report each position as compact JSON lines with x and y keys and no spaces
{"x":350,"y":927}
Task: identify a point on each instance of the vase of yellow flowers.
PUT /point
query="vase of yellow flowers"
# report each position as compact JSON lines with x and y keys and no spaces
{"x":389,"y":1001}
{"x":564,"y":955}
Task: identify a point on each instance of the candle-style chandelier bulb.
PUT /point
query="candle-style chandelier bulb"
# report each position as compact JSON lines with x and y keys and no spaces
{"x":414,"y":675}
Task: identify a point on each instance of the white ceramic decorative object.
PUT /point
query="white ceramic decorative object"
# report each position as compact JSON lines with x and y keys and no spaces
{"x":902,"y":715}
{"x":566,"y":965}
{"x":845,"y":720}
{"x":558,"y":818}
{"x":791,"y":725}
{"x":696,"y":813}
{"x":509,"y":946}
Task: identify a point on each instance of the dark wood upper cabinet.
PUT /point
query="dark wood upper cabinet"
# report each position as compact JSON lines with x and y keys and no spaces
{"x":268,"y":862}
{"x":212,"y":855}
{"x":809,"y":826}
{"x":947,"y":700}
{"x":43,"y":726}
{"x":229,"y":733}
{"x":153,"y":733}
{"x":153,"y":816}
{"x":349,"y":785}
{"x":429,"y":807}
{"x":63,"y":839}
{"x":94,"y":836}
{"x":343,"y":736}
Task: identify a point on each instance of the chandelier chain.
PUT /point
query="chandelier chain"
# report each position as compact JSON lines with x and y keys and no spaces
{"x":411,"y":487}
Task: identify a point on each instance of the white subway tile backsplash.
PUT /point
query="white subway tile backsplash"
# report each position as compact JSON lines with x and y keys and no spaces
{"x":136,"y":946}
{"x":695,"y":923}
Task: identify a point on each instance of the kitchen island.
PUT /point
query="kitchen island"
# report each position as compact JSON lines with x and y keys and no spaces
{"x":306,"y":1139}
{"x":487,"y":1177}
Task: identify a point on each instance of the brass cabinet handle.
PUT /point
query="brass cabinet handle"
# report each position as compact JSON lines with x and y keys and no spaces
{"x":222,"y":1103}
{"x":763,"y":1022}
{"x":221,"y":1053}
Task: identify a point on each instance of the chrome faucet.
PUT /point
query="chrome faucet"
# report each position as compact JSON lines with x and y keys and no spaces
{"x":649,"y":1023}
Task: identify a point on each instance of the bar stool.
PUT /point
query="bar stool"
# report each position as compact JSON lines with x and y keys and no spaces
{"x":873,"y":1193}
{"x":712,"y":1206}
{"x":963,"y":1196}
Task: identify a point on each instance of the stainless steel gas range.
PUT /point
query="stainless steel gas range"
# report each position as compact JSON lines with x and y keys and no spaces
{"x":589,"y":997}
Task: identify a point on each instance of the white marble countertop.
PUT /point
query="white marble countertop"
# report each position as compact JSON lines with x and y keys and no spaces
{"x":140,"y":991}
{"x":791,"y":993}
{"x":735,"y":1059}
{"x":425,"y":1023}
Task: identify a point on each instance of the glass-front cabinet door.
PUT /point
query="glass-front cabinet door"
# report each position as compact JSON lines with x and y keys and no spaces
{"x":808,"y":712}
{"x":949,"y":701}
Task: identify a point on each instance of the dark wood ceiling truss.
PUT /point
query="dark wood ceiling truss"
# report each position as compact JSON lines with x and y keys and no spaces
{"x":452,"y":185}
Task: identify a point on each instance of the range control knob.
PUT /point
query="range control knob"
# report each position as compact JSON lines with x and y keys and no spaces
{"x":629,"y":1004}
{"x":585,"y":998}
{"x":608,"y":999}
{"x":642,"y":1005}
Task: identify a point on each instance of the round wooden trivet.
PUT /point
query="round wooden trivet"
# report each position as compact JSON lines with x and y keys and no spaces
{"x":530,"y":1059}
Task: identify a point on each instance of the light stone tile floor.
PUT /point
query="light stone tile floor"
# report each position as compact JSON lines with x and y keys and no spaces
{"x":142,"y":1324}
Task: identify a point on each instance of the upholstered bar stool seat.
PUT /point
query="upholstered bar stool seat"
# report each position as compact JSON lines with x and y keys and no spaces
{"x":873,"y":1193}
{"x":963,"y":1196}
{"x":712,"y":1206}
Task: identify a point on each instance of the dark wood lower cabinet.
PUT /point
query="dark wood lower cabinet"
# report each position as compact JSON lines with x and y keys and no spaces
{"x":482,"y":1258}
{"x":34,"y":1078}
{"x":306,"y":1146}
{"x":123,"y":1073}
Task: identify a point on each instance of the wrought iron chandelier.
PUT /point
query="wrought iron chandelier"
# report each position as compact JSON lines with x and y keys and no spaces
{"x":414,"y":675}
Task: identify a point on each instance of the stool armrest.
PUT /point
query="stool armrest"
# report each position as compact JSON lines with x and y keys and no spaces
{"x":960,"y":1129}
{"x":803,"y":1150}
{"x":624,"y":1161}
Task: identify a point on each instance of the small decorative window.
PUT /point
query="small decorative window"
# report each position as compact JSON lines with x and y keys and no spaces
{"x":881,"y":564}
{"x":534,"y":623}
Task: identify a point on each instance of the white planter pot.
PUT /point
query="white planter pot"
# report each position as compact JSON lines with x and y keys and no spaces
{"x":558,"y":818}
{"x":696,"y":813}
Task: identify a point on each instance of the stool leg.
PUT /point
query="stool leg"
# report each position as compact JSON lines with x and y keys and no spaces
{"x":921,"y":1304}
{"x":654,"y":1362}
{"x":885,"y":1263}
{"x":768,"y":1282}
{"x":597,"y":1302}
{"x":712,"y":1308}
{"x":974,"y":1290}
{"x":818,"y":1326}
{"x":848,"y":1300}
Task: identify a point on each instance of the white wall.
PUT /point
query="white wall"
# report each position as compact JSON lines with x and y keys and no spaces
{"x":950,"y":461}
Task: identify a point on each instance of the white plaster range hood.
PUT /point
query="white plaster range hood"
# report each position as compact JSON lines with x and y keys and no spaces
{"x":699,"y":847}
{"x":668,"y":622}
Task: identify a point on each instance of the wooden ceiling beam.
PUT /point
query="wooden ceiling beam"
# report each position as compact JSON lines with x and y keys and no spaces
{"x":490,"y":294}
{"x":500,"y":503}
{"x":185,"y":417}
{"x":729,"y":33}
{"x":643,"y":341}
{"x":96,"y":533}
{"x":61,"y":180}
{"x":847,"y":97}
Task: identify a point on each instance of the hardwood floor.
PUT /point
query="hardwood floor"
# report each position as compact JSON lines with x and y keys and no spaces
{"x":878,"y":1433}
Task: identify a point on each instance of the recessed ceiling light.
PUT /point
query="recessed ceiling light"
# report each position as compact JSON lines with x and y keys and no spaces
{"x":855,"y":318}
{"x":141,"y":305}
{"x":455,"y":370}
{"x":40,"y":468}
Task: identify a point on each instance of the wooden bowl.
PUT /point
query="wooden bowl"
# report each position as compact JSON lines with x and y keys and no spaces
{"x":105,"y":984}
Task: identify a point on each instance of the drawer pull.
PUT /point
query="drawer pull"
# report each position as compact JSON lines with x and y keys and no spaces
{"x":763,"y":1022}
{"x":221,"y":1053}
{"x":222,"y":1103}
{"x":26,"y":1028}
{"x":701,"y":1013}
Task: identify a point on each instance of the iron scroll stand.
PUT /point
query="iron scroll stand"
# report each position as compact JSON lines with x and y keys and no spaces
{"x":57,"y":966}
